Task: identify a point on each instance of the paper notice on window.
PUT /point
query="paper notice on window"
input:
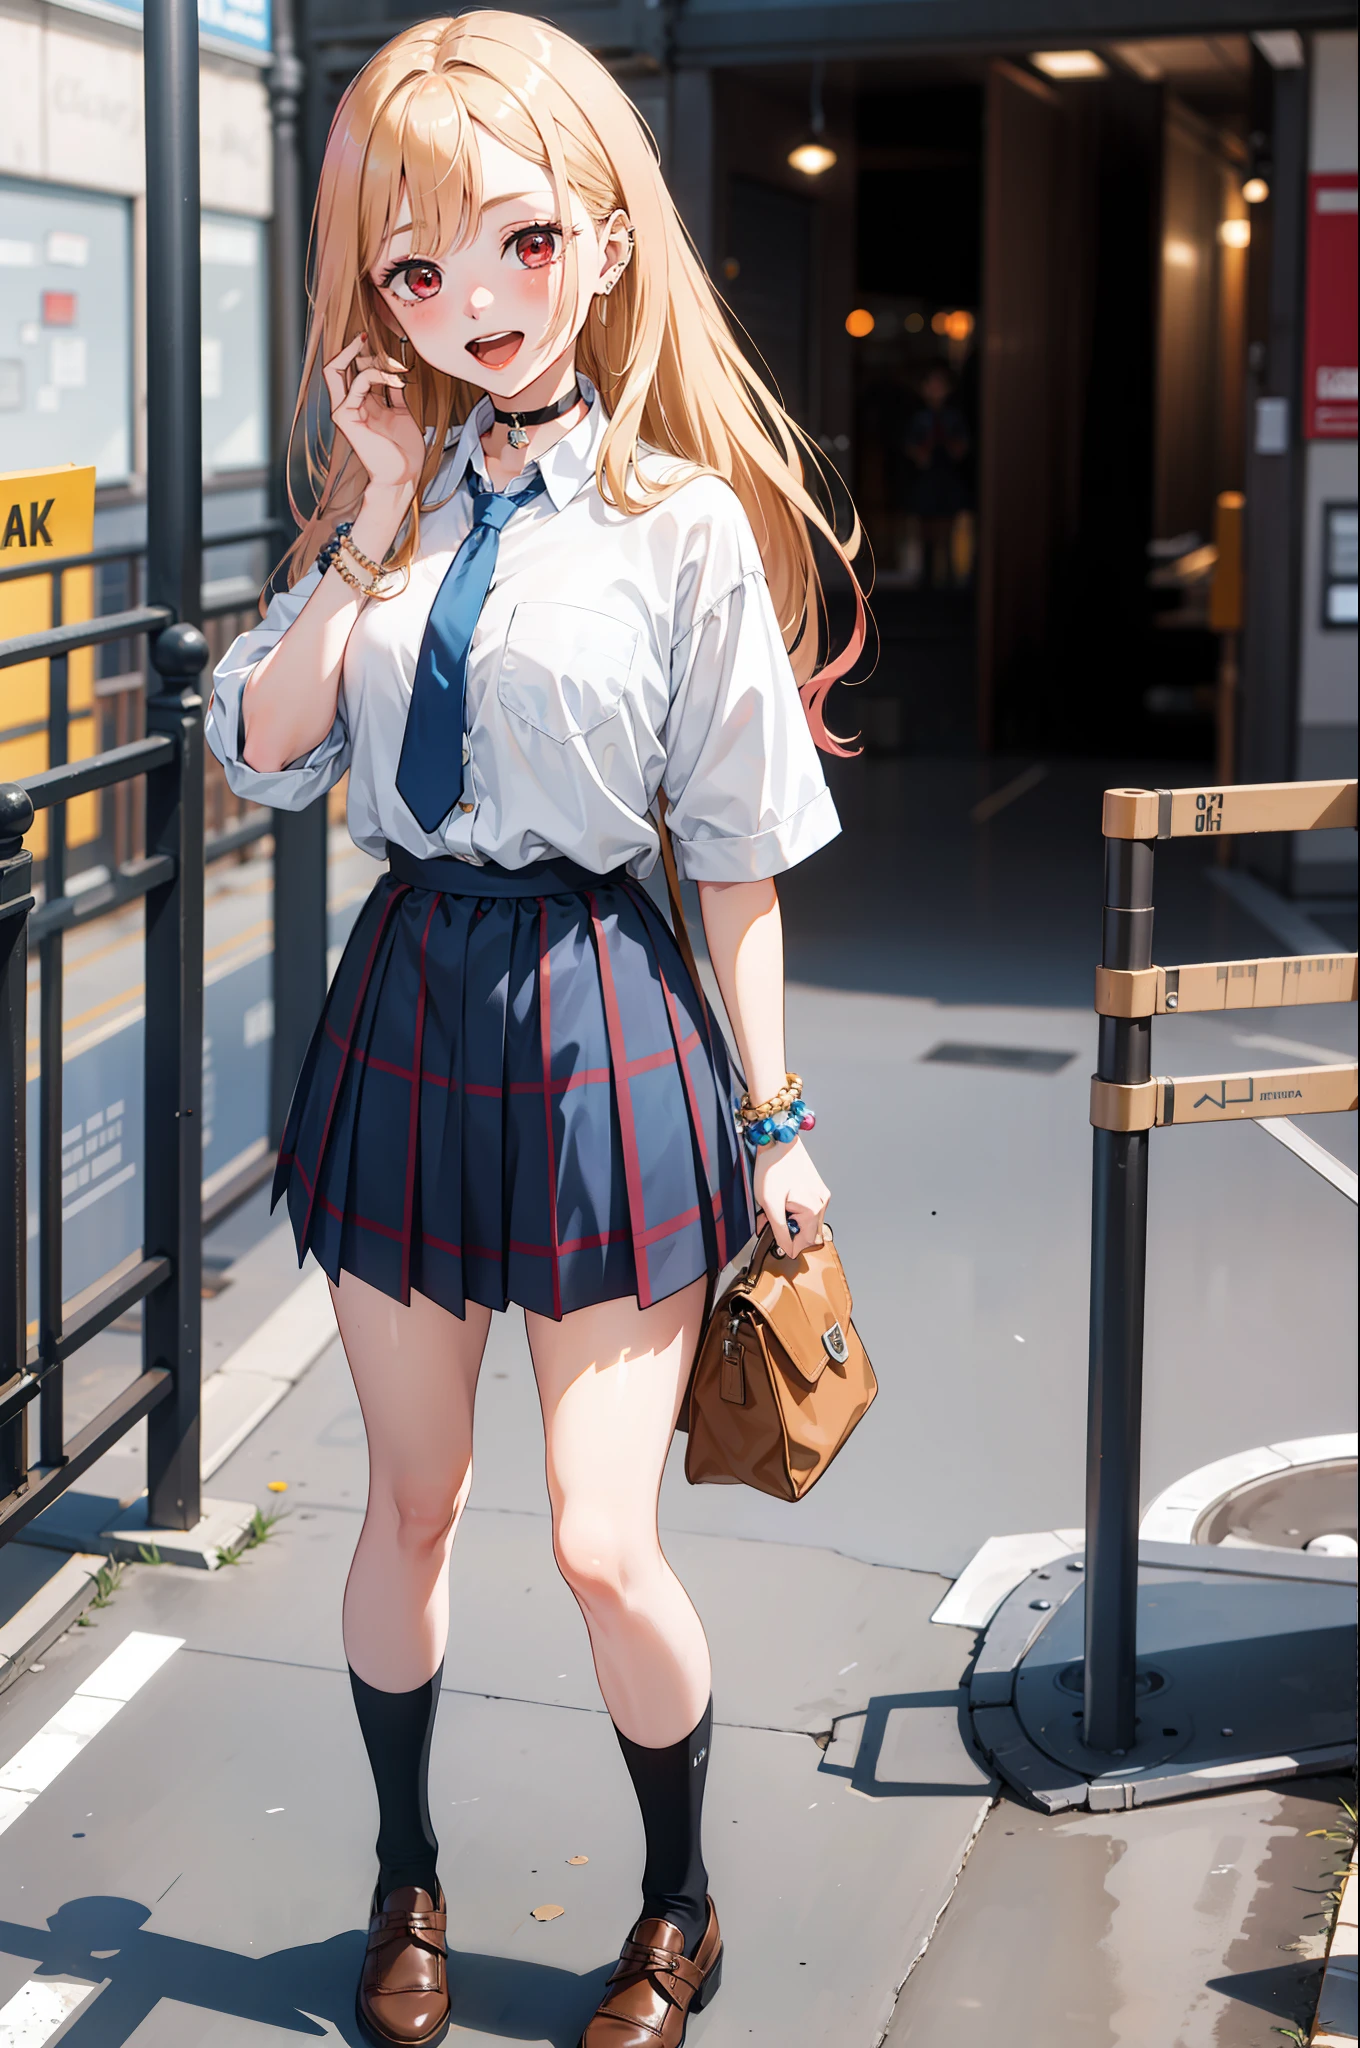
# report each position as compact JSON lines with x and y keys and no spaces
{"x":67,"y":248}
{"x":66,"y":366}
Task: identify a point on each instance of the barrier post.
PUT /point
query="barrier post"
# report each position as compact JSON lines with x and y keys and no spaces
{"x":1118,"y":1271}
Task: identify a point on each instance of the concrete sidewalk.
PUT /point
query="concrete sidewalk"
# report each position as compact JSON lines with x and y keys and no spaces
{"x":217,"y":1832}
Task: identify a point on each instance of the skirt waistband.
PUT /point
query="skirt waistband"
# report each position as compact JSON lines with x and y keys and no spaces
{"x":454,"y":877}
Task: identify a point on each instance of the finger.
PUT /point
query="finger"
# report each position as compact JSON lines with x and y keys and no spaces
{"x":369,"y":380}
{"x":334,"y":370}
{"x":783,"y":1236}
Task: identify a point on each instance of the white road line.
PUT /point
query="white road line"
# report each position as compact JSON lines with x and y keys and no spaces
{"x":91,"y":1707}
{"x":1287,"y":1132}
{"x":1292,"y":1048}
{"x":36,"y":2011}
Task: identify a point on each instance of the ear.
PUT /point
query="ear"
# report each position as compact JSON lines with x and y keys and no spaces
{"x":616,"y":248}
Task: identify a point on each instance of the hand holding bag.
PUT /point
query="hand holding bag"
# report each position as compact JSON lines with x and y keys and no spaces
{"x":781,"y":1377}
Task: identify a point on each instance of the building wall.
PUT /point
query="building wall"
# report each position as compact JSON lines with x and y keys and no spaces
{"x":1326,"y":861}
{"x":72,"y":150}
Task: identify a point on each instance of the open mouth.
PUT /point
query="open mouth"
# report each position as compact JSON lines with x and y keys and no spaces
{"x":496,"y":350}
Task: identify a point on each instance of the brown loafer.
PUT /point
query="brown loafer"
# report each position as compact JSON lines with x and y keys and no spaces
{"x":403,"y":1995}
{"x":655,"y":1987}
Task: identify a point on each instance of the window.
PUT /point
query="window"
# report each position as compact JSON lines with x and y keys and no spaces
{"x":65,"y":329}
{"x":235,"y":370}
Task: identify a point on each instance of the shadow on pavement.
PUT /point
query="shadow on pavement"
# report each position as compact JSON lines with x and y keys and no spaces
{"x":103,"y":1941}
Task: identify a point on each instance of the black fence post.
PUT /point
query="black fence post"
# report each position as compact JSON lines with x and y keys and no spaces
{"x":51,"y":992}
{"x":16,"y":900}
{"x":300,"y":925}
{"x":174,"y":797}
{"x":1118,"y":1274}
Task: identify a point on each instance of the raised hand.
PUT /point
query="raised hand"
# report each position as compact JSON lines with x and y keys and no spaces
{"x":368,"y":406}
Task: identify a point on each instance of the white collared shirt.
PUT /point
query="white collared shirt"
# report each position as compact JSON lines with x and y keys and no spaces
{"x":616,"y":652}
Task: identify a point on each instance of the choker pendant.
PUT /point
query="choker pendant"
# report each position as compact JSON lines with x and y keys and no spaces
{"x":519,"y":423}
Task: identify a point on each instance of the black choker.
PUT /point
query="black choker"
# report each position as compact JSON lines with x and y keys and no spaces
{"x":518,"y":421}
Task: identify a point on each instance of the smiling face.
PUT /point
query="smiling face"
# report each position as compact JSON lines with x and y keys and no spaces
{"x":488,"y":310}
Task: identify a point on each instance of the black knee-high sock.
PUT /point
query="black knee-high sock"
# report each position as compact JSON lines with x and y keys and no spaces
{"x":396,"y":1728}
{"x":670,"y":1789}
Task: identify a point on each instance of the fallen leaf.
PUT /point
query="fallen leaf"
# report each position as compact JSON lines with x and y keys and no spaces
{"x":578,"y":1859}
{"x":548,"y":1912}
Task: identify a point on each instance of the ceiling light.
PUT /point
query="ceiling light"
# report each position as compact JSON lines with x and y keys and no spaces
{"x":1235,"y":234}
{"x":1069,"y":63}
{"x":1255,"y":191}
{"x":859,"y":323}
{"x":812,"y":156}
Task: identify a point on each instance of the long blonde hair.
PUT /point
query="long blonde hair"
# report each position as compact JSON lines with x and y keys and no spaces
{"x":669,"y":373}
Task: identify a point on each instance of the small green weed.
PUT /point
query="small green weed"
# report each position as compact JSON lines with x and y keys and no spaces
{"x":261,"y":1527}
{"x":149,"y":1553}
{"x":107,"y":1580}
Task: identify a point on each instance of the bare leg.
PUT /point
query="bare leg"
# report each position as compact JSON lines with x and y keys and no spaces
{"x":610,"y":1381}
{"x":415,"y":1371}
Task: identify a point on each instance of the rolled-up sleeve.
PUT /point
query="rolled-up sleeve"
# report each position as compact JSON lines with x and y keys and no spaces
{"x":746,"y":794}
{"x":302,"y":781}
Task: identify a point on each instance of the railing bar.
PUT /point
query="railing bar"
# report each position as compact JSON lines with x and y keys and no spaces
{"x":119,"y":764}
{"x":85,"y":633}
{"x":129,"y":882}
{"x":37,"y":725}
{"x":113,"y":1422}
{"x":235,"y":837}
{"x":106,"y":1308}
{"x":131,"y":551}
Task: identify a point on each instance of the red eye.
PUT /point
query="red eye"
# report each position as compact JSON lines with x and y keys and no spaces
{"x":536,"y":248}
{"x":423,"y":280}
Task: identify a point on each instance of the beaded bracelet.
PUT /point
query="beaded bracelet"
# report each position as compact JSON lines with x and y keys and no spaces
{"x":780,"y":1128}
{"x":327,"y":553}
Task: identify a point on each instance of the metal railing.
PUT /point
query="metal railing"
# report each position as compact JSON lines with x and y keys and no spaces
{"x":166,"y":873}
{"x":1127,"y":1103}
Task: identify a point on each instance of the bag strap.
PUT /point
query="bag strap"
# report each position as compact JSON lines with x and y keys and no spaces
{"x":678,"y":925}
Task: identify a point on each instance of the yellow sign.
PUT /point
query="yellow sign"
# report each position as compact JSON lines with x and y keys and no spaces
{"x":44,"y":514}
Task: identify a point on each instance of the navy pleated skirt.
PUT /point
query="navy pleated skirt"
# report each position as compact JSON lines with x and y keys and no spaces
{"x":515,"y":1093}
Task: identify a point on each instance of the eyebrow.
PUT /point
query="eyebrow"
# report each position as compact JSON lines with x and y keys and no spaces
{"x":504,"y":198}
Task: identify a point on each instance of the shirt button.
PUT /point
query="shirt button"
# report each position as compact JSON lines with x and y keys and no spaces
{"x":467,"y":807}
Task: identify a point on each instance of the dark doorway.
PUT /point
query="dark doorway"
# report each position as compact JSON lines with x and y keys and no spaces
{"x":768,"y":282}
{"x":914,"y":330}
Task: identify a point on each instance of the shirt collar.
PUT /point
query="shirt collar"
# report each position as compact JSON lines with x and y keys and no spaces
{"x":566,"y":466}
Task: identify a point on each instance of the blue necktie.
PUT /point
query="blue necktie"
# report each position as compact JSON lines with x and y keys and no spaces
{"x":430,"y":771}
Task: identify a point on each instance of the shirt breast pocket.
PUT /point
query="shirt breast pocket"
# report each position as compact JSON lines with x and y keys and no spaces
{"x":564,"y":669}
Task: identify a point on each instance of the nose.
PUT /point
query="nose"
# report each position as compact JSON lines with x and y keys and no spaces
{"x":479,"y":300}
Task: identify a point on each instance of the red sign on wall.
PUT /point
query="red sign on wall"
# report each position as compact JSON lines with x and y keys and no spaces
{"x":1331,"y":385}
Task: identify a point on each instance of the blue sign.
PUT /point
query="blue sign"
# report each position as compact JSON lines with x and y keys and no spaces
{"x":230,"y":24}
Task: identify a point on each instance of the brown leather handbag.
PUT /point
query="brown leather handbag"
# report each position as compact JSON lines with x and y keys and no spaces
{"x":781,"y":1377}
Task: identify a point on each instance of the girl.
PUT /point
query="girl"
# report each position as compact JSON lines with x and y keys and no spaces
{"x":560,"y":570}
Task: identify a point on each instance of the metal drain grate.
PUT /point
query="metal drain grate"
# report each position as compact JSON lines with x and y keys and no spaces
{"x":1025,"y":1059}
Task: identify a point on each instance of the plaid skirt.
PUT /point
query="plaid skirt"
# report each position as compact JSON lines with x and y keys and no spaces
{"x":515,"y":1093}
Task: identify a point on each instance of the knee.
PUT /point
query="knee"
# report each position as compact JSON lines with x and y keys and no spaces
{"x":422,"y":1515}
{"x":601,"y":1563}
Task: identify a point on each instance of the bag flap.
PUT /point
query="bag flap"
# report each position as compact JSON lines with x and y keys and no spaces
{"x":805,"y":1302}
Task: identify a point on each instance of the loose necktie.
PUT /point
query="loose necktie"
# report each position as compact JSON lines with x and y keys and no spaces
{"x":430,"y":770}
